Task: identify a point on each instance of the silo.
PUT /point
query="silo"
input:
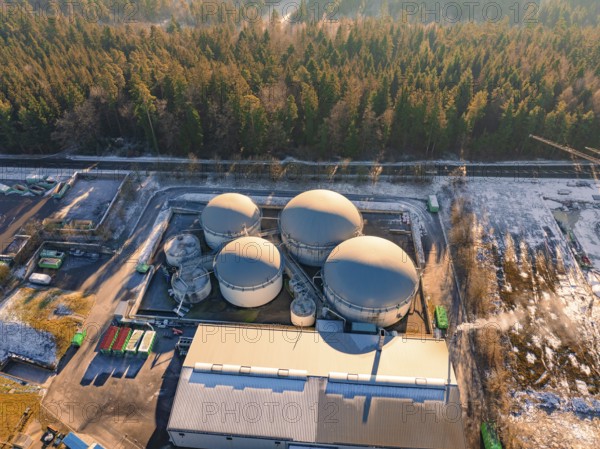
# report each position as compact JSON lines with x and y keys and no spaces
{"x":370,"y":279}
{"x":229,"y":216}
{"x":249,"y":271}
{"x":315,"y":222}
{"x":191,"y":285}
{"x":181,"y":249}
{"x":303,"y":312}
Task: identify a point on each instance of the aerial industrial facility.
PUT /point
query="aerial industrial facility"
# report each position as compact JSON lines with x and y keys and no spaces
{"x":348,"y":292}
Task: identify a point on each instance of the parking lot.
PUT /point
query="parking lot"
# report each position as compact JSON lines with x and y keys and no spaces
{"x":124,"y":402}
{"x":87,"y":199}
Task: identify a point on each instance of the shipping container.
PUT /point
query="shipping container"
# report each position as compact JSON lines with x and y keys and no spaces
{"x":147,"y":343}
{"x":134,"y":342}
{"x":121,"y":341}
{"x":432,"y":204}
{"x":61,"y":190}
{"x":489,"y":436}
{"x":78,"y":338}
{"x":50,"y":262}
{"x":109,"y":339}
{"x":52,"y":253}
{"x":441,"y":317}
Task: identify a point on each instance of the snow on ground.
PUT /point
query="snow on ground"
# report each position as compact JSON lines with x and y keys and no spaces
{"x":523,"y":208}
{"x":17,"y":338}
{"x":587,"y":229}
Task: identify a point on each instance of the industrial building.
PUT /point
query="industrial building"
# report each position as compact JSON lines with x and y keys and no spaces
{"x":229,"y":216}
{"x":313,"y":223}
{"x":264,"y":387}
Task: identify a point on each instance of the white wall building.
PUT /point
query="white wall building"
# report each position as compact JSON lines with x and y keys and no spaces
{"x":264,"y":387}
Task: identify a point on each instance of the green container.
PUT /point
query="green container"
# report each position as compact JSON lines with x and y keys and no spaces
{"x":78,"y":338}
{"x":441,"y":317}
{"x":490,"y":437}
{"x":50,"y":262}
{"x":432,"y":204}
{"x":142,"y":268}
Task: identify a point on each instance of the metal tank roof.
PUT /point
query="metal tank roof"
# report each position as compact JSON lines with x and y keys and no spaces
{"x":230,"y":213}
{"x":320,"y":217}
{"x":248,"y":263}
{"x":370,"y":272}
{"x":183,"y":245}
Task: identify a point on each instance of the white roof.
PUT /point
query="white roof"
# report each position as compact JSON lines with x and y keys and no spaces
{"x":370,"y":272}
{"x":318,"y":354}
{"x":320,"y":217}
{"x":248,"y":262}
{"x":230,"y":213}
{"x":301,"y":372}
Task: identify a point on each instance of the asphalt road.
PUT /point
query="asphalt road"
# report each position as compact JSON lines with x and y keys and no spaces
{"x":296,"y":169}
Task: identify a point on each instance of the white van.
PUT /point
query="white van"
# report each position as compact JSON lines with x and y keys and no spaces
{"x":39,"y":278}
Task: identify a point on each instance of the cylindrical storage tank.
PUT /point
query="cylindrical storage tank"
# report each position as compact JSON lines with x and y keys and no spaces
{"x":249,"y":271}
{"x":303,"y":312}
{"x":315,"y":222}
{"x":191,"y":285}
{"x":370,"y":279}
{"x":229,"y":216}
{"x":182,"y":249}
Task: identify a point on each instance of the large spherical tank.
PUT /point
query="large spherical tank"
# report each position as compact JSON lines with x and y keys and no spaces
{"x":370,"y":279}
{"x":249,"y":271}
{"x":229,"y":216}
{"x":181,"y":249}
{"x":191,"y":284}
{"x":315,"y":222}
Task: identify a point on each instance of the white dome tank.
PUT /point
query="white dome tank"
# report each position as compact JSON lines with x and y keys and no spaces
{"x":370,"y":279}
{"x":249,"y":271}
{"x":303,"y":312}
{"x":191,"y":284}
{"x":229,"y":216}
{"x":182,"y":249}
{"x":315,"y":222}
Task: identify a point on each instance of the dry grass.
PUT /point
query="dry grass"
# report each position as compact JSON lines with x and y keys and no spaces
{"x":36,"y":308}
{"x":14,"y":400}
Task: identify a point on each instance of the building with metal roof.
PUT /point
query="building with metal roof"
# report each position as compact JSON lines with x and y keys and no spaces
{"x":313,"y":223}
{"x":265,"y":387}
{"x":229,"y":216}
{"x":370,"y":279}
{"x":249,"y":271}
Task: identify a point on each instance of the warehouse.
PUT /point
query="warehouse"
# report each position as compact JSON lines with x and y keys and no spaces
{"x":265,"y":387}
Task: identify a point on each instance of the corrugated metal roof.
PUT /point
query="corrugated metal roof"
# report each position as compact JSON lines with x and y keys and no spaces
{"x":241,"y":405}
{"x":315,"y":411}
{"x":72,"y":441}
{"x":320,"y":217}
{"x":370,"y":272}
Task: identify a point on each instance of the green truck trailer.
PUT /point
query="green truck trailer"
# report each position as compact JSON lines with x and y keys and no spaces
{"x":490,"y":437}
{"x":432,"y":204}
{"x":441,"y":317}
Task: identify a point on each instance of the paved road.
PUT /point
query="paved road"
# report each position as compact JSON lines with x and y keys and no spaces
{"x":297,"y":170}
